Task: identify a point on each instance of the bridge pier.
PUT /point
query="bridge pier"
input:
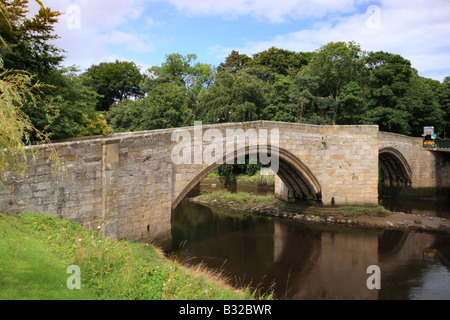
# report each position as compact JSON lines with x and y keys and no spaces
{"x":281,"y":191}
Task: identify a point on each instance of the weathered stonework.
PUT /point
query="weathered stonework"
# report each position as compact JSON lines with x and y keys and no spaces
{"x":422,"y":162}
{"x":128,"y":183}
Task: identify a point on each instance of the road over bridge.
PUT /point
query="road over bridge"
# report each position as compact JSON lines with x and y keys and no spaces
{"x":129,"y":183}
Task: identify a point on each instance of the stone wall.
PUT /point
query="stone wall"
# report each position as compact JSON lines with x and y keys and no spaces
{"x":421,"y":161}
{"x":128,"y":183}
{"x":343,"y":159}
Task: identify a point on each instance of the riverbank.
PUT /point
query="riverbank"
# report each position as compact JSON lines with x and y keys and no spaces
{"x":310,"y":212}
{"x":36,"y":251}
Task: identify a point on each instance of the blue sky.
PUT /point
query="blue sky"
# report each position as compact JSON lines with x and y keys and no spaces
{"x":145,"y":32}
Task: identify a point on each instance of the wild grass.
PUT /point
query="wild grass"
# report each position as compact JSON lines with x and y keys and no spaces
{"x":257,"y":178}
{"x":378,"y":211}
{"x":35,"y":251}
{"x":242,"y":200}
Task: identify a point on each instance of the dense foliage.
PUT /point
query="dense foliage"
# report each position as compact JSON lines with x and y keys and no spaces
{"x":64,"y":106}
{"x":339,"y":83}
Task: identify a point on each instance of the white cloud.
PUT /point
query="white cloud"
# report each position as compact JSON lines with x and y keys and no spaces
{"x":273,"y":11}
{"x":133,"y":42}
{"x":414,"y":29}
{"x":88,"y":30}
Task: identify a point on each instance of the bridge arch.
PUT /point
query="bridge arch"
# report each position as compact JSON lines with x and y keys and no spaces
{"x":297,"y":177}
{"x":396,"y":169}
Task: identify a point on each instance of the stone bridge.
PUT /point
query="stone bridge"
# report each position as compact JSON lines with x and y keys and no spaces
{"x":129,"y":183}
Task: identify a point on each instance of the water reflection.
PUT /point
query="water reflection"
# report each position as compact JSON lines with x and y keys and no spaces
{"x":428,"y":207}
{"x":300,"y":261}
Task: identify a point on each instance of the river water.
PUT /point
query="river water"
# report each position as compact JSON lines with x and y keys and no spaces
{"x":295,"y":260}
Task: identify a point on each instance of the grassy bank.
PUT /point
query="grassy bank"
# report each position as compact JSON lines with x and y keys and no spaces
{"x":378,"y":211}
{"x":36,"y":250}
{"x":239,"y":200}
{"x":247,"y":202}
{"x":257,"y":178}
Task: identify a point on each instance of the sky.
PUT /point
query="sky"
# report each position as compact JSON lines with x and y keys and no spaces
{"x":146,"y":31}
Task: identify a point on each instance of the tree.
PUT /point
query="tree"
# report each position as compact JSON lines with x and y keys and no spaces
{"x":114,"y":82}
{"x":352,"y":104}
{"x":233,"y":98}
{"x":272,"y":62}
{"x":303,"y":91}
{"x":422,"y":103}
{"x":15,"y":127}
{"x":335,"y":65}
{"x":166,"y":106}
{"x":16,"y":87}
{"x":28,"y":39}
{"x":192,"y":77}
{"x":388,"y":82}
{"x":234,"y":63}
{"x":389,"y":76}
{"x":443,"y":93}
{"x":280,"y":107}
{"x":67,"y":108}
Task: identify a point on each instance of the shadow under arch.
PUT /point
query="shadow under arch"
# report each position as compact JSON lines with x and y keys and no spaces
{"x":297,"y":177}
{"x":396,"y":169}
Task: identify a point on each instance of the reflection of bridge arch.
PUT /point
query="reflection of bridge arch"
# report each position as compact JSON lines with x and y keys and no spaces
{"x":390,"y":242}
{"x":297,"y":177}
{"x":396,"y":169}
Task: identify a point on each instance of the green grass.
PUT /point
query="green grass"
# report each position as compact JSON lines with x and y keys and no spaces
{"x":267,"y":180}
{"x":35,"y":251}
{"x":241,"y":200}
{"x":378,"y":211}
{"x":246,"y":201}
{"x":31,"y":270}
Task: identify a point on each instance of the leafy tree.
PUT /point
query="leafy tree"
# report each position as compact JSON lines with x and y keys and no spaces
{"x":114,"y":82}
{"x":192,"y":77}
{"x":280,"y":107}
{"x":235,"y":63}
{"x":352,"y":104}
{"x":388,"y":119}
{"x":166,"y":106}
{"x":422,"y":102}
{"x":443,"y":93}
{"x":303,"y":91}
{"x":15,"y":127}
{"x":268,"y":64}
{"x":388,"y":79}
{"x":28,"y":39}
{"x":388,"y":82}
{"x":67,"y":108}
{"x":233,"y":99}
{"x":334,"y":65}
{"x":16,"y":130}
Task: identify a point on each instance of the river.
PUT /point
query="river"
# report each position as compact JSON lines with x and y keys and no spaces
{"x":313,"y":261}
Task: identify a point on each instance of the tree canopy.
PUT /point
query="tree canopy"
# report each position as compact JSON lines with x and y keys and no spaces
{"x":114,"y":82}
{"x":339,"y":83}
